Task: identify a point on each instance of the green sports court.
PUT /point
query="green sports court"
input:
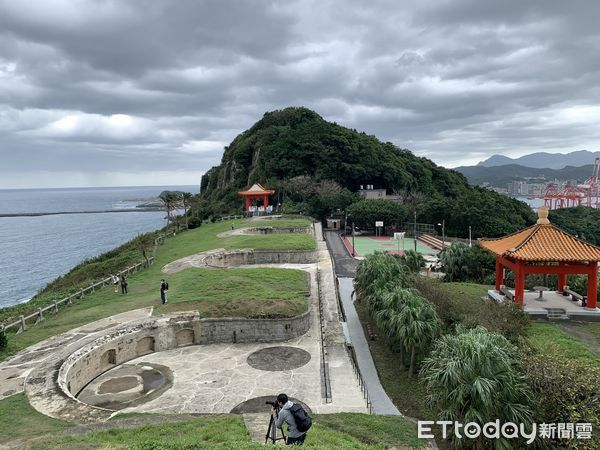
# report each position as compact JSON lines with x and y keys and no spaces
{"x":365,"y":245}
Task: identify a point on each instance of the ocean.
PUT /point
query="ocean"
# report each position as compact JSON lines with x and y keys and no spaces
{"x":36,"y":250}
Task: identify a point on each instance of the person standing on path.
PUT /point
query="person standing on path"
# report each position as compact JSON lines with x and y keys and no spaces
{"x":164,"y":287}
{"x":123,"y":284}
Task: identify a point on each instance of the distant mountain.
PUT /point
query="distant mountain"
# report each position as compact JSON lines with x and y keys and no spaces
{"x":500,"y":176}
{"x":544,"y":160}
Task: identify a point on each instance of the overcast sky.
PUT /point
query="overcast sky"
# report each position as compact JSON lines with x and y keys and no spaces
{"x":148,"y":92}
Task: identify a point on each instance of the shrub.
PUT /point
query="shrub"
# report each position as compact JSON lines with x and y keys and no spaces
{"x":566,"y":391}
{"x":3,"y":340}
{"x":194,"y":222}
{"x":413,"y":260}
{"x":506,"y":318}
{"x":476,"y":376}
{"x":445,"y":307}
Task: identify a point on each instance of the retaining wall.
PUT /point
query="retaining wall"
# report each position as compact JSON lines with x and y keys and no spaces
{"x":272,"y":230}
{"x":242,"y":257}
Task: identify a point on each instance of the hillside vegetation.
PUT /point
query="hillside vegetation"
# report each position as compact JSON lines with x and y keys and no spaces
{"x":317,"y":166}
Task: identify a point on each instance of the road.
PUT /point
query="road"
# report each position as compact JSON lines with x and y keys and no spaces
{"x":345,"y":268}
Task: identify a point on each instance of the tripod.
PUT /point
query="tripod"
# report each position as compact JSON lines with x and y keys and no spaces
{"x":272,"y":431}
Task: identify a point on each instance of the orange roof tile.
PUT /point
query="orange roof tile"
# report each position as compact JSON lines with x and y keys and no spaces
{"x":542,"y":242}
{"x":257,"y":189}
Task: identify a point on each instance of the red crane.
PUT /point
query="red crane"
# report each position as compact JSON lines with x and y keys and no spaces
{"x":586,"y":194}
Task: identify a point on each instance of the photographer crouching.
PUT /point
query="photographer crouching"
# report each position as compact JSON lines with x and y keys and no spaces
{"x":298,"y":421}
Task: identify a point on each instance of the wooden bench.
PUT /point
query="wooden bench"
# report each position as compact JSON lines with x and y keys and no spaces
{"x":509,"y":295}
{"x":575,"y":296}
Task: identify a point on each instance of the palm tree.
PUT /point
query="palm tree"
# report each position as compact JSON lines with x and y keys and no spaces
{"x":455,"y":262}
{"x":382,"y":268}
{"x":169,"y":200}
{"x":476,"y":376}
{"x":144,"y":243}
{"x":418,"y":325}
{"x":387,"y":314}
{"x":186,"y":201}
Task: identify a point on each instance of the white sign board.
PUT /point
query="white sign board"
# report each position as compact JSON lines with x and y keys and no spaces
{"x":378,"y":224}
{"x":399,"y":236}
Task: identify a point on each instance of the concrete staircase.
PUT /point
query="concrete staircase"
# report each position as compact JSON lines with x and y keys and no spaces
{"x":557,"y":314}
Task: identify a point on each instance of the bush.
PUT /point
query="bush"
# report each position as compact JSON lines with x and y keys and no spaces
{"x":566,"y":391}
{"x":194,"y":222}
{"x":506,"y":318}
{"x":3,"y":340}
{"x":477,"y":376}
{"x":445,"y":307}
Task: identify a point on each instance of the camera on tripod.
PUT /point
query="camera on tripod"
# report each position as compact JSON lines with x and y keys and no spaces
{"x":272,"y":430}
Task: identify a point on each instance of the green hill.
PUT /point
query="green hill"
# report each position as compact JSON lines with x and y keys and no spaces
{"x":297,"y":142}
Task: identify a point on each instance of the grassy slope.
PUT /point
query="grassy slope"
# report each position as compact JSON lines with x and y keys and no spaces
{"x":237,"y":292}
{"x":550,"y":340}
{"x":144,"y":286}
{"x":331,"y":431}
{"x":20,"y":420}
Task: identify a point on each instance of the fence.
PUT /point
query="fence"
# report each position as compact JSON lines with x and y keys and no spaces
{"x":361,"y":381}
{"x":21,"y":323}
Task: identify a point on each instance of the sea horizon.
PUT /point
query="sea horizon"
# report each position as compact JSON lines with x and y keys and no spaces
{"x":42,"y":248}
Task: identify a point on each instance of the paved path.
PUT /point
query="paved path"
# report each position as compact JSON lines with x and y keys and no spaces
{"x":345,"y":267}
{"x":345,"y":264}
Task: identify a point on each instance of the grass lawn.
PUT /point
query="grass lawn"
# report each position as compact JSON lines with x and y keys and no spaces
{"x":549,"y":339}
{"x":329,"y":431}
{"x":466,"y":296}
{"x":237,"y":292}
{"x":594,"y":328}
{"x":144,"y":285}
{"x":20,"y":420}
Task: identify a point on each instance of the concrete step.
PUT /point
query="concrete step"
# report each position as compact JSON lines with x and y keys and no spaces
{"x":557,"y":314}
{"x":258,"y":424}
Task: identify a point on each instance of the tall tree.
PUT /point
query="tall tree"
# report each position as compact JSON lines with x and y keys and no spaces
{"x":144,"y":243}
{"x":186,"y":202}
{"x":170,"y":202}
{"x":418,"y":325}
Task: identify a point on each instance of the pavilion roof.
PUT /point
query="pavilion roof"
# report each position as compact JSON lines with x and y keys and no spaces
{"x":542,"y":242}
{"x":257,"y":189}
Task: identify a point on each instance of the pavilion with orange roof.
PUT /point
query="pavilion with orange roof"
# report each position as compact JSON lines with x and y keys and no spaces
{"x":544,"y":249}
{"x":257,"y":192}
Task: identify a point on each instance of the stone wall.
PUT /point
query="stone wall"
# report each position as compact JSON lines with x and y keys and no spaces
{"x":242,"y":257}
{"x":157,"y":334}
{"x":271,"y":230}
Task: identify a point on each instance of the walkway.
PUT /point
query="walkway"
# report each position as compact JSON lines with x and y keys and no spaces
{"x":345,"y":267}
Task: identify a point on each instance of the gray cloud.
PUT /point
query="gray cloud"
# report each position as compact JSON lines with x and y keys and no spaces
{"x":102,"y":89}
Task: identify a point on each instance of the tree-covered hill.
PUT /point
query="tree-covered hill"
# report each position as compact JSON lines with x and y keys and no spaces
{"x":297,"y":143}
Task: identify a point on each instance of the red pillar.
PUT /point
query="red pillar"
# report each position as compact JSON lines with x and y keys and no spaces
{"x":248,"y":202}
{"x":592,"y":292}
{"x":499,"y":273}
{"x":562,"y":279}
{"x":520,"y":283}
{"x":266,"y":201}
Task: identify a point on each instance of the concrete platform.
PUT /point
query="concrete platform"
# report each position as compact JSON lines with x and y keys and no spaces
{"x":552,"y":302}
